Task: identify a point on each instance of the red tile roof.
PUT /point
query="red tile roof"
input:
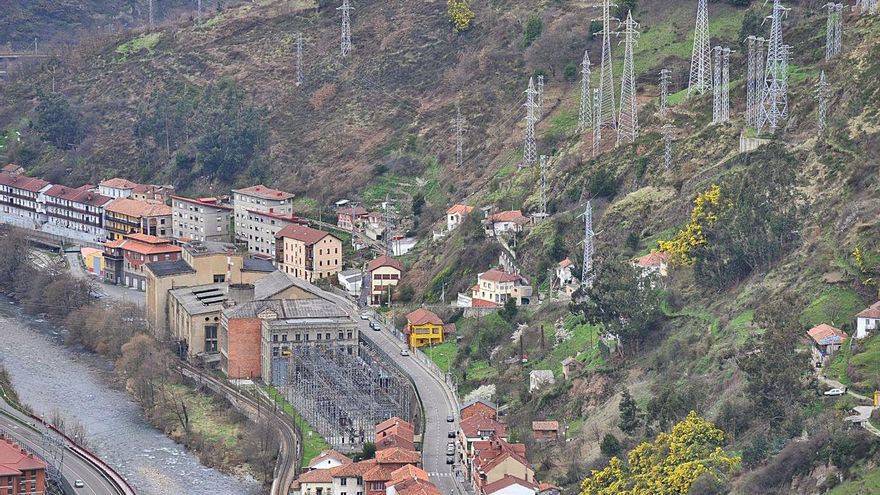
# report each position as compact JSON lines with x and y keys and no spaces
{"x":211,"y":202}
{"x":394,"y":421}
{"x":146,"y":238}
{"x":826,"y":334}
{"x":302,"y":233}
{"x":872,"y":311}
{"x":473,"y":425}
{"x":408,"y":472}
{"x":279,"y":216}
{"x":379,"y":473}
{"x":119,"y":183}
{"x":416,"y":487}
{"x":507,"y":481}
{"x":264,"y":192}
{"x":12,"y":168}
{"x":422,"y":316}
{"x":460,"y":209}
{"x":384,"y":261}
{"x":514,"y":216}
{"x":547,"y":486}
{"x":141,"y":247}
{"x":395,"y":441}
{"x":353,"y":470}
{"x":31,"y":184}
{"x":565,"y":263}
{"x":79,"y":195}
{"x":135,"y":208}
{"x":482,"y":303}
{"x":359,"y":211}
{"x":493,"y":452}
{"x":653,"y":259}
{"x":14,"y":460}
{"x":545,"y":425}
{"x":398,"y":456}
{"x":329,"y":454}
{"x":496,"y":275}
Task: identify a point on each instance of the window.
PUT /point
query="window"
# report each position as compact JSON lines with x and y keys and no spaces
{"x":343,"y":482}
{"x":275,"y":337}
{"x":319,"y":336}
{"x":274,"y":351}
{"x":340,"y":336}
{"x":210,"y":338}
{"x":349,"y":335}
{"x":219,"y":278}
{"x":327,"y":336}
{"x":296,"y":337}
{"x":283,"y":337}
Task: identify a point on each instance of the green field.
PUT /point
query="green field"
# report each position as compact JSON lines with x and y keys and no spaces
{"x":869,"y":484}
{"x":443,"y":355}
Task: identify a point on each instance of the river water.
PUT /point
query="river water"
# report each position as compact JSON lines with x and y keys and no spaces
{"x":49,"y":375}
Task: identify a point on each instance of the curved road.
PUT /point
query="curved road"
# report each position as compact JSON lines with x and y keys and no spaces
{"x":74,"y":467}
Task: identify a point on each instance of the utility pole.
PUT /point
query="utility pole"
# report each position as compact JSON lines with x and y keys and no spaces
{"x":725,"y":84}
{"x":540,"y":111}
{"x":299,"y":60}
{"x":529,"y":148}
{"x":667,"y":130}
{"x":700,"y":78}
{"x":716,"y":85}
{"x":607,"y":107}
{"x":542,"y":211}
{"x":585,"y":115}
{"x":775,"y":102}
{"x":597,"y":118}
{"x":346,"y":9}
{"x":665,"y":80}
{"x":822,"y":94}
{"x":628,"y":124}
{"x":389,"y":230}
{"x":458,"y":122}
{"x":750,"y":80}
{"x":587,"y":275}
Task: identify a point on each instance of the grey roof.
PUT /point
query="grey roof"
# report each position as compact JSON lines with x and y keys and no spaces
{"x":165,"y":268}
{"x":351,"y":274}
{"x":201,"y":299}
{"x":199,"y":248}
{"x":276,"y":282}
{"x":258,"y":265}
{"x":290,"y":309}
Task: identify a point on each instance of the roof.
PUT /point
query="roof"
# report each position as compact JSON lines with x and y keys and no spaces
{"x":14,"y":460}
{"x":118,"y":183}
{"x":147,"y":238}
{"x":82,"y":196}
{"x":473,"y":425}
{"x":482,"y":303}
{"x":379,"y":473}
{"x":289,"y":310}
{"x":353,"y":469}
{"x":408,"y":472}
{"x":496,"y":275}
{"x":166,"y":268}
{"x":570,"y":360}
{"x":565,"y":263}
{"x":201,"y":299}
{"x":31,"y":184}
{"x":423,"y":316}
{"x":655,"y":258}
{"x":199,"y":248}
{"x":329,"y":454}
{"x":507,"y":481}
{"x":416,"y":487}
{"x":302,"y":233}
{"x":508,"y":216}
{"x":12,"y":168}
{"x":394,"y":421}
{"x":460,"y":209}
{"x":826,"y":334}
{"x":210,"y":202}
{"x":872,"y":311}
{"x":397,"y":455}
{"x":547,"y":486}
{"x":493,"y":452}
{"x":545,"y":425}
{"x":261,"y":191}
{"x":395,"y":441}
{"x":359,"y":211}
{"x":489,"y":404}
{"x":258,"y":265}
{"x":135,"y":208}
{"x":142,"y":247}
{"x":276,"y":282}
{"x":384,"y":260}
{"x":279,"y":216}
{"x":88,"y":251}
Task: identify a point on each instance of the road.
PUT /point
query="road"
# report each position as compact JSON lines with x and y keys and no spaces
{"x":116,"y":292}
{"x":436,"y":396}
{"x":74,"y":467}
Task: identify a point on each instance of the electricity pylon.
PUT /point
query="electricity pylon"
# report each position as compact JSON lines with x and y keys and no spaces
{"x":597,"y":129}
{"x":716,"y":85}
{"x":725,"y":84}
{"x":665,"y":80}
{"x":607,"y":107}
{"x":530,"y":153}
{"x":701,"y":78}
{"x":628,"y":124}
{"x":822,"y":94}
{"x":587,"y":276}
{"x":345,"y":45}
{"x":585,"y":116}
{"x":667,"y":130}
{"x":775,"y":104}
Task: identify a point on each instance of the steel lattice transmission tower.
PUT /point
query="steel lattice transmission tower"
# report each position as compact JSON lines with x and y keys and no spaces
{"x":299,"y":60}
{"x":760,"y":63}
{"x":530,"y":153}
{"x":716,"y":85}
{"x":725,"y":84}
{"x":628,"y":124}
{"x":833,"y":29}
{"x":701,"y":78}
{"x":199,"y":12}
{"x":838,"y":31}
{"x":542,"y":211}
{"x":588,"y":275}
{"x":597,"y":129}
{"x":458,"y":122}
{"x":150,"y":13}
{"x":786,"y":57}
{"x":665,"y":80}
{"x":775,"y":99}
{"x":750,"y":80}
{"x":667,"y":130}
{"x":346,"y":9}
{"x":866,"y":6}
{"x":540,"y":88}
{"x":607,"y":107}
{"x":585,"y":115}
{"x":822,"y":94}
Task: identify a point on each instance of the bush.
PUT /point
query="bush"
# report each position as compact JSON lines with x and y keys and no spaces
{"x":610,"y":445}
{"x":570,"y":72}
{"x":57,"y":122}
{"x":532,"y":30}
{"x":602,"y":183}
{"x":460,"y":14}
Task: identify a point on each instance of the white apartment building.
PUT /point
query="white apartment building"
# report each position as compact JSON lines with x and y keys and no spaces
{"x":260,"y":199}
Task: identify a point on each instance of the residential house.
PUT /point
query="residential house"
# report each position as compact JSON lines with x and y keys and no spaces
{"x":496,"y":287}
{"x":308,"y":253}
{"x":74,"y":213}
{"x":479,"y":407}
{"x":654,"y":263}
{"x":314,"y":482}
{"x":125,"y":216}
{"x":538,"y":379}
{"x":423,"y":327}
{"x":395,"y":441}
{"x":510,"y":485}
{"x":826,"y":342}
{"x":117,"y":188}
{"x":347,"y":218}
{"x":476,"y":428}
{"x":93,"y":260}
{"x":20,"y":199}
{"x":351,"y":281}
{"x":495,"y":458}
{"x":396,"y":458}
{"x":505,"y":221}
{"x":570,"y":366}
{"x":200,"y":219}
{"x":21,"y":472}
{"x":348,"y":479}
{"x":13,"y":169}
{"x":546,"y":431}
{"x":547,"y":489}
{"x":394,"y":426}
{"x":126,"y":258}
{"x":328,"y":459}
{"x":152,"y":193}
{"x":456,"y":214}
{"x":867,"y":320}
{"x":410,"y":480}
{"x":375,"y":226}
{"x":257,"y":198}
{"x":563,"y":272}
{"x":264,"y":227}
{"x":384,"y":274}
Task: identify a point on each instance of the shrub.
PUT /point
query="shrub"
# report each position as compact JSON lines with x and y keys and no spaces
{"x":532,"y":30}
{"x":460,"y":14}
{"x":610,"y":445}
{"x":570,"y":72}
{"x":323,"y":95}
{"x":57,"y":122}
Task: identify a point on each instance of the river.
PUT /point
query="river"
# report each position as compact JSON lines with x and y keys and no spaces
{"x":49,"y":375}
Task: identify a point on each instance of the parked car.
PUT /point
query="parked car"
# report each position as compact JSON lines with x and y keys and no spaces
{"x":375,"y":327}
{"x":450,"y":449}
{"x":450,"y":459}
{"x":404,"y":352}
{"x":450,"y":418}
{"x":451,"y":434}
{"x":365,"y":316}
{"x":835,"y":392}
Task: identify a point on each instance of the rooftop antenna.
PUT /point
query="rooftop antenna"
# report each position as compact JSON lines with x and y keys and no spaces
{"x":628,"y":124}
{"x":822,"y":94}
{"x":665,"y":80}
{"x":585,"y":116}
{"x":346,"y":9}
{"x":299,"y":59}
{"x":607,"y":107}
{"x":700,"y":78}
{"x":529,"y":148}
{"x":775,"y":103}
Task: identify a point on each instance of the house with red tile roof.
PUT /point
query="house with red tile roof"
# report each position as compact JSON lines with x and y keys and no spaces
{"x":384,"y":274}
{"x":478,"y":406}
{"x":653,"y":263}
{"x":456,"y":214}
{"x":307,"y":253}
{"x":413,"y":486}
{"x":826,"y":341}
{"x":394,"y":441}
{"x":510,"y":485}
{"x":328,"y":459}
{"x":76,"y":213}
{"x":348,"y":479}
{"x":117,"y":187}
{"x":496,"y":287}
{"x":505,"y":221}
{"x":494,"y":459}
{"x":476,"y":428}
{"x":124,"y":216}
{"x":868,"y":320}
{"x":350,"y":217}
{"x":20,"y":469}
{"x":394,"y":427}
{"x":20,"y":200}
{"x":13,"y":169}
{"x":545,"y":488}
{"x":397,"y":457}
{"x":546,"y":431}
{"x":424,"y":327}
{"x":125,"y":259}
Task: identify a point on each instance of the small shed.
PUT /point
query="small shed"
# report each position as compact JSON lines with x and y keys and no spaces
{"x":546,"y":431}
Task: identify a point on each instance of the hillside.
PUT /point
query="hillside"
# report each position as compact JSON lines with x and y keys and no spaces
{"x":154,"y":106}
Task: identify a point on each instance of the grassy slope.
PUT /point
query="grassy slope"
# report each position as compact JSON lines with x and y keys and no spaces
{"x":313,"y":444}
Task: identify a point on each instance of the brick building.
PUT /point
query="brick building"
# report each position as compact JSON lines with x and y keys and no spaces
{"x":21,"y":473}
{"x":479,"y":407}
{"x":125,"y":259}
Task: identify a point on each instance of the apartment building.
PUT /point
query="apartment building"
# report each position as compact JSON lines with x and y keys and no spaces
{"x":384,"y":274}
{"x":261,"y":199}
{"x":124,"y":259}
{"x":308,"y":253}
{"x":125,"y":216}
{"x":117,"y":188}
{"x":21,"y":472}
{"x":200,"y":219}
{"x":495,"y":287}
{"x":263,"y":226}
{"x":74,"y":213}
{"x":20,"y":200}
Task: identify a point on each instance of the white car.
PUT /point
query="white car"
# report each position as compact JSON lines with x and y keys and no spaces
{"x":365,"y":316}
{"x":835,"y":392}
{"x":404,"y":352}
{"x":78,"y":484}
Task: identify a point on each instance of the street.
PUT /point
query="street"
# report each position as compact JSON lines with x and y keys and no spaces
{"x":116,"y":292}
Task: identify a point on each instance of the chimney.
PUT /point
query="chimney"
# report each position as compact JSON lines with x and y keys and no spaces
{"x":241,"y":293}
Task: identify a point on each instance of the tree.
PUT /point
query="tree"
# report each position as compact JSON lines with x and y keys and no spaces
{"x":626,"y":6}
{"x":418,"y":203}
{"x":508,"y":312}
{"x":670,"y":465}
{"x":624,"y":302}
{"x":57,"y":122}
{"x":629,"y":419}
{"x":369,"y":451}
{"x":532,"y":29}
{"x":610,"y":445}
{"x":460,"y":14}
